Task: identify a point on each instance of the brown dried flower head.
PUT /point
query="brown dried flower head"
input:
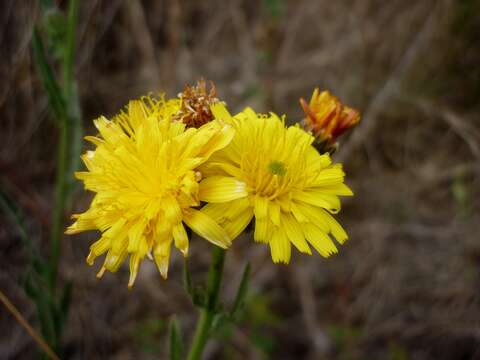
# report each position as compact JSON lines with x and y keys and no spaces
{"x":195,"y":104}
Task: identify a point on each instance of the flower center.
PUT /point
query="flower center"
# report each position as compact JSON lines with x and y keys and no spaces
{"x":277,"y":168}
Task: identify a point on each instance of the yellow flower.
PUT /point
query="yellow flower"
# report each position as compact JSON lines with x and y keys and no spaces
{"x":273,"y":173}
{"x":144,"y":176}
{"x":327,"y":118}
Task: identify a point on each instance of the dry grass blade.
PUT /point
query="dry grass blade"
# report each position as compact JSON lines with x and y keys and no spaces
{"x":460,"y":126}
{"x":31,"y":331}
{"x":389,"y":88}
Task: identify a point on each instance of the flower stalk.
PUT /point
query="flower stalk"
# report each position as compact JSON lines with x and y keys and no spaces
{"x":207,"y":313}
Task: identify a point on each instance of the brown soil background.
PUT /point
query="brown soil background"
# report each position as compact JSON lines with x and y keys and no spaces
{"x":406,"y":284}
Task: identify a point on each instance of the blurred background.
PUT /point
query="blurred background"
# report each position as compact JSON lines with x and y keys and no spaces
{"x":407,"y":283}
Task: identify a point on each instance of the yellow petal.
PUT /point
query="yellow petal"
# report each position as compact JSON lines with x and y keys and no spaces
{"x":329,"y":176}
{"x":220,"y":112}
{"x":336,"y":189}
{"x":285,"y":203}
{"x":101,"y":272}
{"x":173,"y":213}
{"x":135,"y":259}
{"x":118,"y":229}
{"x":94,"y":140}
{"x":318,"y":198}
{"x":294,"y":233}
{"x":219,"y":140}
{"x":206,"y":227}
{"x":297,"y":213}
{"x":152,"y":209}
{"x":261,"y":230}
{"x":162,"y":229}
{"x":162,"y":265}
{"x":181,"y":238}
{"x":218,"y":189}
{"x":144,"y":246}
{"x":274,"y":212}
{"x":236,"y":225}
{"x":217,"y":211}
{"x":161,"y":254}
{"x":315,"y":215}
{"x":110,"y":131}
{"x":222,"y":168}
{"x":236,"y":208}
{"x":208,"y":139}
{"x":319,"y":240}
{"x":113,"y":260}
{"x":337,"y":230}
{"x":98,"y":248}
{"x":135,"y":235}
{"x":315,"y":161}
{"x":81,"y":224}
{"x":280,"y":247}
{"x":261,"y":207}
{"x":136,"y":113}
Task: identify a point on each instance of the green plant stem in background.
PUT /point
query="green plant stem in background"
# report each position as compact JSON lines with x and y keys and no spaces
{"x":207,"y":313}
{"x":65,"y":104}
{"x":59,"y":207}
{"x":41,"y":282}
{"x":75,"y":130}
{"x":69,"y":53}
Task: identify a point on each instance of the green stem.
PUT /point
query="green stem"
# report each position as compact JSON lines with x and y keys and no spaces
{"x":69,"y":53}
{"x":72,"y":100}
{"x":58,"y":209}
{"x":69,"y":145}
{"x":207,"y":313}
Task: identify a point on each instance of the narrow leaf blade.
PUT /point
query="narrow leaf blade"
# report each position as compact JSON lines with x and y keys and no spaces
{"x":175,"y":341}
{"x":241,"y":292}
{"x":55,"y":97}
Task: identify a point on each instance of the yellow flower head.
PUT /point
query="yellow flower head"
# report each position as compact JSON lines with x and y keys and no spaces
{"x":273,"y":173}
{"x":327,"y":118}
{"x":145,"y":179}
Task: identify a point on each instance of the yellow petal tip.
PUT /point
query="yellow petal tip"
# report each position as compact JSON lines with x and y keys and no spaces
{"x":101,"y":272}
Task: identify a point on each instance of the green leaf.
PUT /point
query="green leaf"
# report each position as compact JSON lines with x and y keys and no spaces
{"x":54,"y":26}
{"x":13,"y":212}
{"x":16,"y":216}
{"x":175,"y":340}
{"x":199,"y":296}
{"x":220,"y":320}
{"x":187,"y":280}
{"x":41,"y":267}
{"x":275,"y":8}
{"x":29,"y":287}
{"x":239,"y":301}
{"x":61,"y":309}
{"x":66,"y":299}
{"x":46,"y":318}
{"x":198,"y":293}
{"x":263,"y":341}
{"x":55,"y":97}
{"x":47,"y":4}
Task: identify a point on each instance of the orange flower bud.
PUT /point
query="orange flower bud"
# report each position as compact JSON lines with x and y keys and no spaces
{"x":327,"y":118}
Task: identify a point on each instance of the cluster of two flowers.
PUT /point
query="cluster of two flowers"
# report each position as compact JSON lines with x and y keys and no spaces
{"x":159,"y":161}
